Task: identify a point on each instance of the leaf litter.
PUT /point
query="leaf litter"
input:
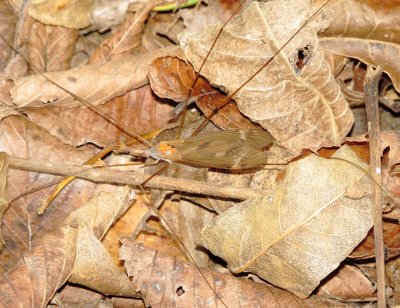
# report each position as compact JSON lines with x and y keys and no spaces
{"x":304,"y":108}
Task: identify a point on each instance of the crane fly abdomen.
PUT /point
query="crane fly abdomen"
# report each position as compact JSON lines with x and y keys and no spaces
{"x":229,"y":149}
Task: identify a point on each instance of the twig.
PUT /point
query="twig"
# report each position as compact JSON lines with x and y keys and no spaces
{"x":130,"y":178}
{"x":371,"y":105}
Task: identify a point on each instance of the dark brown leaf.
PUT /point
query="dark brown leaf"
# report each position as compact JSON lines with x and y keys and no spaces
{"x":172,"y":78}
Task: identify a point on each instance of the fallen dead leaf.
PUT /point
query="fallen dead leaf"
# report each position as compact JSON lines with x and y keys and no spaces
{"x":301,"y":107}
{"x":298,"y":235}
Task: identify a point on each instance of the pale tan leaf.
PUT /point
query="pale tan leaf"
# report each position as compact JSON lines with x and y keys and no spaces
{"x":301,"y":233}
{"x":66,"y":13}
{"x":368,"y":32}
{"x":50,"y":48}
{"x":301,"y":106}
{"x":166,"y":281}
{"x":95,"y":269}
{"x":23,"y":228}
{"x":94,"y":83}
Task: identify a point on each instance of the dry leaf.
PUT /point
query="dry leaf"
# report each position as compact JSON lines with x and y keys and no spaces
{"x":348,"y":283}
{"x":7,"y":30}
{"x":301,"y":233}
{"x":16,"y":68}
{"x":24,"y":229}
{"x":41,"y":271}
{"x":367,"y":32}
{"x":50,"y":48}
{"x":391,"y":140}
{"x":237,"y":179}
{"x":21,"y":224}
{"x":192,"y":219}
{"x":391,"y":233}
{"x":172,"y":78}
{"x":302,"y":107}
{"x":137,"y":111}
{"x":95,"y":269}
{"x":162,"y":30}
{"x":94,"y":83}
{"x":66,"y":13}
{"x":126,"y":38}
{"x":166,"y":281}
{"x":58,"y":254}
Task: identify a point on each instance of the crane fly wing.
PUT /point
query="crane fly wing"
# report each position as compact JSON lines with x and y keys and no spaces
{"x":230,"y":149}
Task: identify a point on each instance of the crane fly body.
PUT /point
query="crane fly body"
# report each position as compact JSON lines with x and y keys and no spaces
{"x":229,"y":149}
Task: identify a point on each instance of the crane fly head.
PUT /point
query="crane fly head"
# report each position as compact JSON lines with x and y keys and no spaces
{"x":166,"y":149}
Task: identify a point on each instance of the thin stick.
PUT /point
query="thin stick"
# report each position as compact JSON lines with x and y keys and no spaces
{"x":372,"y":108}
{"x":132,"y":178}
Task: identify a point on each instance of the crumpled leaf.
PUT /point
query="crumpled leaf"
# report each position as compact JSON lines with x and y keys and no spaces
{"x":66,"y":13}
{"x":368,"y":32}
{"x":24,"y":229}
{"x":172,"y":78}
{"x":165,"y":281}
{"x":301,"y":233}
{"x":94,"y":83}
{"x":94,"y":267}
{"x":302,"y":107}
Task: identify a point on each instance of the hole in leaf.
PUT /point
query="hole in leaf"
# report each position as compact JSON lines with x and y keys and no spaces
{"x":180,"y":291}
{"x":303,"y":54}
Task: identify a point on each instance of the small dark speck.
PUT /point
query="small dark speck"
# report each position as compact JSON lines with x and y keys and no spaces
{"x":72,"y":79}
{"x":180,"y":291}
